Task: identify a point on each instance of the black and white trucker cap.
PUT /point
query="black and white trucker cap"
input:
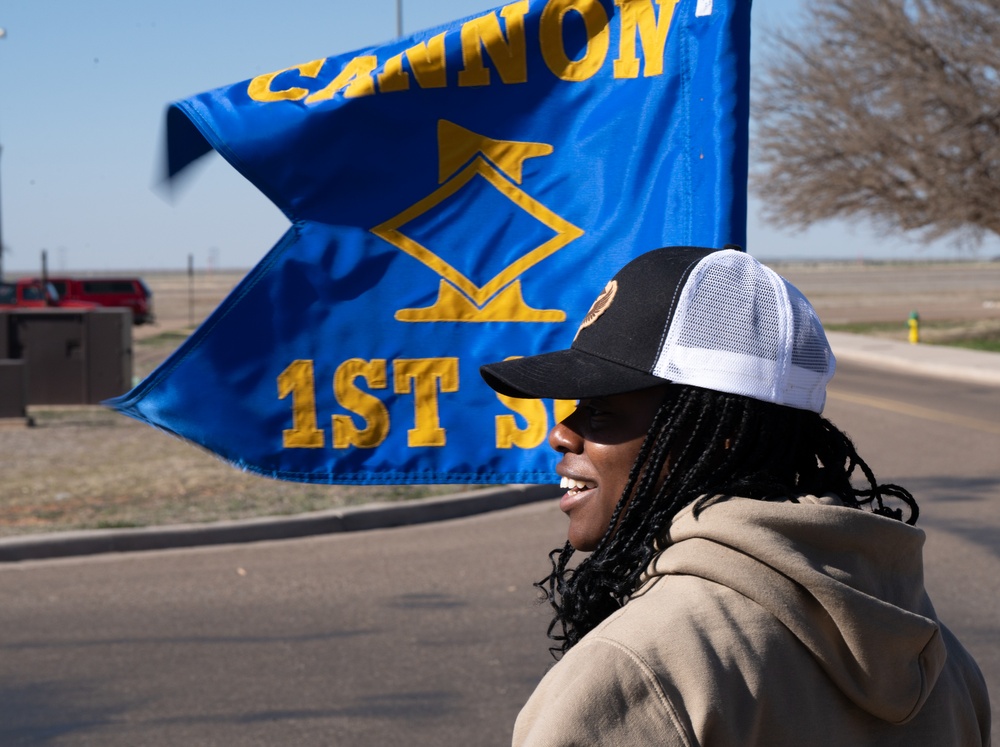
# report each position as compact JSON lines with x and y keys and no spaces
{"x":716,"y":319}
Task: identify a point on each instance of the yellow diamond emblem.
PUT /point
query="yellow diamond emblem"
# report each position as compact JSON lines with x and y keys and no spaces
{"x":499,"y":162}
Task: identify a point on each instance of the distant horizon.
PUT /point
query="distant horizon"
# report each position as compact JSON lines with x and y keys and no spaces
{"x":17,"y":273}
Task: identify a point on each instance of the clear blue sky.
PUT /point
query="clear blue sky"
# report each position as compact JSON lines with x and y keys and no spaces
{"x":83,"y":88}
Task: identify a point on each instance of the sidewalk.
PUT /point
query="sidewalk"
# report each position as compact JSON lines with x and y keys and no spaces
{"x":939,"y":361}
{"x":928,"y":360}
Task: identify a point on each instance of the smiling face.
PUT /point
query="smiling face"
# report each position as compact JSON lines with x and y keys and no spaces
{"x":599,"y":443}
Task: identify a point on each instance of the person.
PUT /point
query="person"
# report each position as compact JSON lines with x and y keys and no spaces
{"x":748,"y":581}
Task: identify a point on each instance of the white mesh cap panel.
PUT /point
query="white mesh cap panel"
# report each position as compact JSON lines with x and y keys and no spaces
{"x":740,"y":328}
{"x":812,"y":364}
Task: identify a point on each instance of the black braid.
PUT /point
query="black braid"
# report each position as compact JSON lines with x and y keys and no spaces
{"x":710,"y":443}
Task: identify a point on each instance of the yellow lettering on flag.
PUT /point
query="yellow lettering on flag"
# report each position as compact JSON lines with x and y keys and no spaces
{"x":427,"y":61}
{"x":638,"y":18}
{"x":298,"y":381}
{"x":595,"y":19}
{"x":422,"y":376}
{"x":536,"y":423}
{"x":509,"y":56}
{"x":260,"y":87}
{"x":354,"y":80}
{"x":350,"y":397}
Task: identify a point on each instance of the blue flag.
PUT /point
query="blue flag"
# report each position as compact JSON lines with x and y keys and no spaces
{"x":456,"y":197}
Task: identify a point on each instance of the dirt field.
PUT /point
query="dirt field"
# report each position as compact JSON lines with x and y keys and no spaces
{"x":87,"y":467}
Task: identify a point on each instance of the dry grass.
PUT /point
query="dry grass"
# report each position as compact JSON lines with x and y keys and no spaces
{"x":90,"y":468}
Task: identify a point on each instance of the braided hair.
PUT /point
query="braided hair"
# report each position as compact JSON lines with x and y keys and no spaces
{"x":703,"y":442}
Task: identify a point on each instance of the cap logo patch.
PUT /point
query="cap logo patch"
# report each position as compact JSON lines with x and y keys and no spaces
{"x":600,"y":305}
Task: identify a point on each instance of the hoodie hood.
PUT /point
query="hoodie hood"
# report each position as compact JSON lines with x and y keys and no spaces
{"x":847,"y":583}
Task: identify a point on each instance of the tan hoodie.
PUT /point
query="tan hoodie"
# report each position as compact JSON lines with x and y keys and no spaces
{"x":769,"y":623}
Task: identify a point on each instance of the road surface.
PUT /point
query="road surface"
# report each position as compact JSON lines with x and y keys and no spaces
{"x":425,"y":635}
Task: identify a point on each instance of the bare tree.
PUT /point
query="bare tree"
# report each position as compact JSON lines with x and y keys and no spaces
{"x":886,"y":111}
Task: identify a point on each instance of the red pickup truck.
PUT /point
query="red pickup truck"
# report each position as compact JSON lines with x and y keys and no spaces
{"x":33,"y":294}
{"x":125,"y":292}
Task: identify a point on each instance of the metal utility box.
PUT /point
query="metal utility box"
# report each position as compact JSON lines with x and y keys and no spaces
{"x":108,"y":353}
{"x":13,"y":388}
{"x":5,"y":335}
{"x":71,"y":357}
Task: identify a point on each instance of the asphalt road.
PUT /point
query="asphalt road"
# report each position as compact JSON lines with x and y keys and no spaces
{"x":421,"y":635}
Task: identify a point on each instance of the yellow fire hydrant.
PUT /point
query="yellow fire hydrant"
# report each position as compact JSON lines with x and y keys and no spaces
{"x":914,"y":327}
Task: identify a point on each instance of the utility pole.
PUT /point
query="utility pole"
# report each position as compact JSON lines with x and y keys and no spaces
{"x":1,"y":221}
{"x":3,"y":33}
{"x":191,"y":290}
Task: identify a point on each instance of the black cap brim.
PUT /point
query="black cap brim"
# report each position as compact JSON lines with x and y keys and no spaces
{"x":564,"y":374}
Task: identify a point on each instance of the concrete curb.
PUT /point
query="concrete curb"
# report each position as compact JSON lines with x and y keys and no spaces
{"x":348,"y":519}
